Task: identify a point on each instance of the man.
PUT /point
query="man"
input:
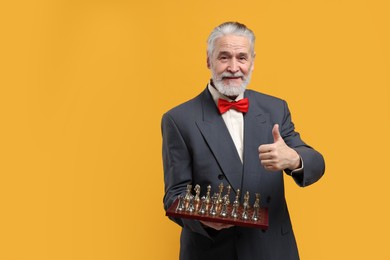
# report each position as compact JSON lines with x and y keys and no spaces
{"x":247,"y":146}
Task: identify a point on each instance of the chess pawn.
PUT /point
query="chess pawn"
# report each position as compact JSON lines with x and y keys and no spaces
{"x":224,"y":212}
{"x":246,"y":200}
{"x":234,"y":213}
{"x":191,"y":207}
{"x":255,"y":216}
{"x":203,"y":208}
{"x":245,"y":214}
{"x":181,"y":204}
{"x":213,"y":209}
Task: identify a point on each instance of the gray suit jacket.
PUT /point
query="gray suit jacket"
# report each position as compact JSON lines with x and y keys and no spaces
{"x":198,"y":149}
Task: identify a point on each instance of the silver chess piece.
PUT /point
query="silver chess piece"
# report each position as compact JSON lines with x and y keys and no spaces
{"x":246,"y":200}
{"x":197,"y":192}
{"x":256,"y":206}
{"x":191,"y":207}
{"x":181,"y":204}
{"x":188,"y":195}
{"x":203,"y":208}
{"x":236,"y":204}
{"x":224,"y":210}
{"x":245,"y":214}
{"x":227,"y":195}
{"x":214,"y":201}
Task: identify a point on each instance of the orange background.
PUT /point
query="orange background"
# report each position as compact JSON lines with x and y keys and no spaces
{"x":84,"y":85}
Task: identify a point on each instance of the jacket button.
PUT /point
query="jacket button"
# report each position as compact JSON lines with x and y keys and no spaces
{"x":220,"y":176}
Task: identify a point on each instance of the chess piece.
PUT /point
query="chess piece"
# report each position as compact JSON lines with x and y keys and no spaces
{"x":246,"y":200}
{"x":188,"y":193}
{"x":220,"y":194}
{"x":256,"y":206}
{"x":214,"y":201}
{"x":208,"y":198}
{"x":234,"y":213}
{"x":181,"y":204}
{"x":203,"y":209}
{"x":245,"y":214}
{"x":191,"y":207}
{"x":236,"y":204}
{"x":227,"y":195}
{"x":197,"y":192}
{"x":224,"y":209}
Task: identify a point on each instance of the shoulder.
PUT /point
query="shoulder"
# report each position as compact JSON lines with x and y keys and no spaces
{"x":187,"y":111}
{"x":261,"y":96}
{"x":185,"y":107}
{"x":264,"y":100}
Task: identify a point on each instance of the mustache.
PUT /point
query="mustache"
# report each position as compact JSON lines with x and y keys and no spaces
{"x":231,"y":75}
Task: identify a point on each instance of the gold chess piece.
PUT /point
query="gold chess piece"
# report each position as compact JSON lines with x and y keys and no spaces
{"x":219,"y":202}
{"x":208,"y":198}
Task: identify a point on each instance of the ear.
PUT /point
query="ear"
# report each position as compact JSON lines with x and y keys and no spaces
{"x":208,"y":62}
{"x":253,"y":61}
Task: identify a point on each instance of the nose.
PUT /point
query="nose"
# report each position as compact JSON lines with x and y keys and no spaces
{"x":233,"y":66}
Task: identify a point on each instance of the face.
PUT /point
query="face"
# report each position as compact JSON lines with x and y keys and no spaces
{"x":231,"y":64}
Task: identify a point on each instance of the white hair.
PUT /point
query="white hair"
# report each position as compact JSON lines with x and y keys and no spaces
{"x":230,"y":28}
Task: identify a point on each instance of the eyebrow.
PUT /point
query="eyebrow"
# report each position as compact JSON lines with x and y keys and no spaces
{"x":229,"y":53}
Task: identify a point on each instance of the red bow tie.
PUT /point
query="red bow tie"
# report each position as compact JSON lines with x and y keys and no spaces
{"x":241,"y":105}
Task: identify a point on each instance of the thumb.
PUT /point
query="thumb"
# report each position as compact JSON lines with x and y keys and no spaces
{"x":276,"y":134}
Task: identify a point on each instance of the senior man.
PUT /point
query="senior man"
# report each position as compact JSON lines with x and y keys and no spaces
{"x":241,"y":138}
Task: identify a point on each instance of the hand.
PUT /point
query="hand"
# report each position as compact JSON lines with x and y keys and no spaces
{"x":216,"y":226}
{"x":278,"y":156}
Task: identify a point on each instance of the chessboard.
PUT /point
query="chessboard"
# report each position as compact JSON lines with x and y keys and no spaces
{"x":217,"y":208}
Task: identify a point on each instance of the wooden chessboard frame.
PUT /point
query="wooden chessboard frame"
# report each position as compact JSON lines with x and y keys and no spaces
{"x":261,"y":223}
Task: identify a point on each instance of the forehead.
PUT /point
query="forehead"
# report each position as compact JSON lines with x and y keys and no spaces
{"x":232,"y":43}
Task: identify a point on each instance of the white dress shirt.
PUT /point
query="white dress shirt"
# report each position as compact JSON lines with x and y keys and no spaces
{"x":234,"y":121}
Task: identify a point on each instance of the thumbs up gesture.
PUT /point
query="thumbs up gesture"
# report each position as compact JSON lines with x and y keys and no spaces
{"x":278,"y":156}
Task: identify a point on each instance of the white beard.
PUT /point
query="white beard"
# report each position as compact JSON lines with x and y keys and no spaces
{"x":231,"y":89}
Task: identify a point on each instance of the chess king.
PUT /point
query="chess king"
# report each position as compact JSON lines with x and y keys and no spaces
{"x":244,"y":139}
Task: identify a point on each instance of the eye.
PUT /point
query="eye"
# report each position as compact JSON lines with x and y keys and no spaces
{"x":223,"y":58}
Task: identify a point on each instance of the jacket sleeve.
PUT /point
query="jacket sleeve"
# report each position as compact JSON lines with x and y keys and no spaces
{"x":313,"y":161}
{"x":177,"y":163}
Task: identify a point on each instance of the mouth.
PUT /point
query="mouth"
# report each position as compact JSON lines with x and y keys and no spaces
{"x":232,"y":78}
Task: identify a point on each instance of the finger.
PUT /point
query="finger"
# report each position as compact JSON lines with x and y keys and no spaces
{"x":276,"y":133}
{"x":267,"y":162}
{"x":266,"y":156}
{"x":265,"y":148}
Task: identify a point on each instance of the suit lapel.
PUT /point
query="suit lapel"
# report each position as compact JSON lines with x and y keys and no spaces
{"x":257,"y":130}
{"x":218,"y":138}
